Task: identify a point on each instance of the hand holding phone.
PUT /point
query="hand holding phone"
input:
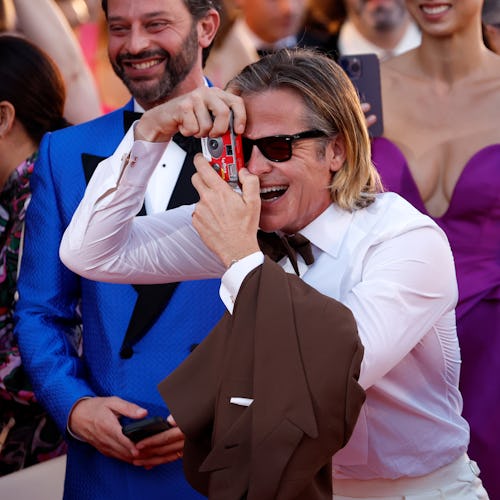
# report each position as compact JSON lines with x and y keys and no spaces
{"x":364,"y":72}
{"x":141,"y":429}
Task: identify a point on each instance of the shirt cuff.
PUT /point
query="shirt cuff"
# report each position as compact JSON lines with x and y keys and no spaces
{"x":234,"y":276}
{"x":138,"y":165}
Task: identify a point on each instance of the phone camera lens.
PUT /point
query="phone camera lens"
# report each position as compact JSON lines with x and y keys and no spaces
{"x":355,"y":68}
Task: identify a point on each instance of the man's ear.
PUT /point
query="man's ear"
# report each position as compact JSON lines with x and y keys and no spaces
{"x":7,"y":117}
{"x":207,"y":28}
{"x":336,"y":152}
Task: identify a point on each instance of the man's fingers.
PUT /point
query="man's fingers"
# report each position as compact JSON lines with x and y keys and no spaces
{"x":121,"y":407}
{"x":204,"y":112}
{"x":206,"y":177}
{"x":371,"y":120}
{"x":250,"y":187}
{"x":211,"y":110}
{"x":221,"y":104}
{"x":162,"y":448}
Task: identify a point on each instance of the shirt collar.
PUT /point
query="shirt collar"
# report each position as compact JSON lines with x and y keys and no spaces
{"x":328,"y":230}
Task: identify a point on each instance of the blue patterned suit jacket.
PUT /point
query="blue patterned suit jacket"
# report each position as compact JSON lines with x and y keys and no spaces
{"x":50,"y":295}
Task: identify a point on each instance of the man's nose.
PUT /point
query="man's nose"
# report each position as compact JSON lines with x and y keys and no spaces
{"x":138,"y":40}
{"x":258,"y":164}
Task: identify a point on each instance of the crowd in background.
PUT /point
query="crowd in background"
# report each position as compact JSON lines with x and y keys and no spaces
{"x":440,"y":150}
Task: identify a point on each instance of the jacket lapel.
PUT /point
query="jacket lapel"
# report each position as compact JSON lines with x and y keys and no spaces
{"x":184,"y":193}
{"x":152,"y":299}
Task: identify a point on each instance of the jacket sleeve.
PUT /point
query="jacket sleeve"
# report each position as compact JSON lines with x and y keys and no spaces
{"x":47,"y":318}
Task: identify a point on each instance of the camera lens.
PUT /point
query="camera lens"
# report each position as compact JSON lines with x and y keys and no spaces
{"x":215,"y":147}
{"x":355,"y":68}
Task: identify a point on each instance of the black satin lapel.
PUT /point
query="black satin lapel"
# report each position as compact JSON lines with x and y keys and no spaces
{"x":150,"y":303}
{"x":130,"y":117}
{"x":90,"y":163}
{"x":153,"y":299}
{"x":184,"y":193}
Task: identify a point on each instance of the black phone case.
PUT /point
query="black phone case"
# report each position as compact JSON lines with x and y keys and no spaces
{"x":364,"y":72}
{"x":137,"y":431}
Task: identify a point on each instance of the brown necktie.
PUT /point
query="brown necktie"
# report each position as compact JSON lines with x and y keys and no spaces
{"x":276,"y":247}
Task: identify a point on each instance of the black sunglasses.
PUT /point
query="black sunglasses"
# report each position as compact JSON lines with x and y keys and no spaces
{"x":276,"y":148}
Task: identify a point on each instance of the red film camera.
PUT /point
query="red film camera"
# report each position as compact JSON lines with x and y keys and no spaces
{"x":225,"y":154}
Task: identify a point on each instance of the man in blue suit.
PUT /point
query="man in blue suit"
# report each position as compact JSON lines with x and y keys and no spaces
{"x":133,"y":336}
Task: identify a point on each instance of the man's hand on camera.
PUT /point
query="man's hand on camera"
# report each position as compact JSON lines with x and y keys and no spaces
{"x":204,"y":112}
{"x":226,"y":220}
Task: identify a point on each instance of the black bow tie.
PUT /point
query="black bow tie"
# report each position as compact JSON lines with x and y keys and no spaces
{"x":276,"y":247}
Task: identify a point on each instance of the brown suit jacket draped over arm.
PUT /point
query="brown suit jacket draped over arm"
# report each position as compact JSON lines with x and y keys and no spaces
{"x":297,"y":354}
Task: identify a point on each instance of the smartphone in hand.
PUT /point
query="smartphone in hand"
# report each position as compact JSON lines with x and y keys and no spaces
{"x":364,"y":72}
{"x":141,"y":429}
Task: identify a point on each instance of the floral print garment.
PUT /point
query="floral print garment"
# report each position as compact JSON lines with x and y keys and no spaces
{"x":34,"y":436}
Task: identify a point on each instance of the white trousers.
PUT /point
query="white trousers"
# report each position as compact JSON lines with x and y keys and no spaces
{"x":457,"y":481}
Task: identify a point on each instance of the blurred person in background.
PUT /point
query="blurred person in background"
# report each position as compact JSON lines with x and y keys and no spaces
{"x":344,"y":27}
{"x":233,"y":48}
{"x":32,"y":97}
{"x":491,"y":24}
{"x":88,"y":21}
{"x":55,"y":37}
{"x":253,"y":28}
{"x":272,"y":25}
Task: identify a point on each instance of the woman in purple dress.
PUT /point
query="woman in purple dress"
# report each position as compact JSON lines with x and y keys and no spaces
{"x":441,"y":151}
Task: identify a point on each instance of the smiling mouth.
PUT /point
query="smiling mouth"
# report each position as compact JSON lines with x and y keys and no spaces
{"x":434,"y":9}
{"x":143,"y":64}
{"x":272,"y":193}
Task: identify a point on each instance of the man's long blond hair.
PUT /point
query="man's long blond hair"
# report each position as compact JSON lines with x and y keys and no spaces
{"x":332,"y":106}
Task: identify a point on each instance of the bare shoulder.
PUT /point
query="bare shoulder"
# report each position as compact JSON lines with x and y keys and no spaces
{"x":490,"y":73}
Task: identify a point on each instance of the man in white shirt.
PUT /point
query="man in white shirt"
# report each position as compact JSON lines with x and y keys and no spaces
{"x":382,"y":28}
{"x":308,"y":169}
{"x":350,"y":27}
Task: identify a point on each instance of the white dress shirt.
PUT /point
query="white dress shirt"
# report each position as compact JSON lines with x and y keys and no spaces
{"x":391,"y":265}
{"x":163,"y":180}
